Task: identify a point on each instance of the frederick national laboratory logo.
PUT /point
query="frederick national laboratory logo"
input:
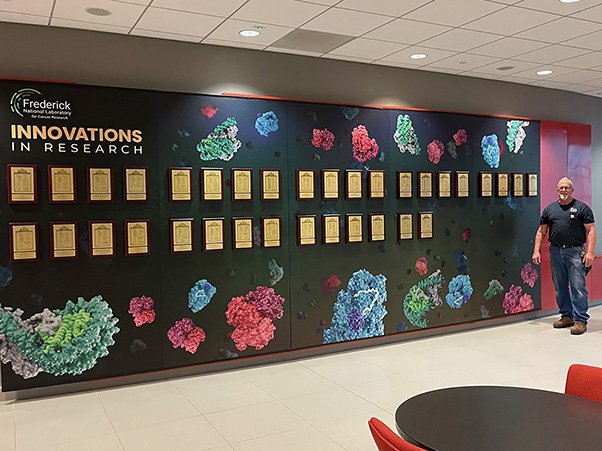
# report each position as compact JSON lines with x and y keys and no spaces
{"x":30,"y":103}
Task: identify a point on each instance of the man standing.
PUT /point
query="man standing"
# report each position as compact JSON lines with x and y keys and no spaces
{"x":571,"y":226}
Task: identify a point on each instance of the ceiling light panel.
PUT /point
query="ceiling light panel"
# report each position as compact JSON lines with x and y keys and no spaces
{"x":344,"y":21}
{"x":433,"y":55}
{"x":280,"y":12}
{"x":393,"y":8}
{"x":556,"y":71}
{"x":406,"y":31}
{"x":37,"y":8}
{"x":229,"y":31}
{"x":560,"y":30}
{"x":220,"y":8}
{"x":453,"y":13}
{"x":368,"y":48}
{"x":510,"y":20}
{"x":460,"y":40}
{"x":122,"y":14}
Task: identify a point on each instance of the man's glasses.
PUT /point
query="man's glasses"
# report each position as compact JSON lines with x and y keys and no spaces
{"x":565,"y":188}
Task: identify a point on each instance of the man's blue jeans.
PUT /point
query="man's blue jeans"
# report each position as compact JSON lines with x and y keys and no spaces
{"x":568,"y":269}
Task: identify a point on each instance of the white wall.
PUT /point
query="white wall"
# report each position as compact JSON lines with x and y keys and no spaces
{"x":105,"y":59}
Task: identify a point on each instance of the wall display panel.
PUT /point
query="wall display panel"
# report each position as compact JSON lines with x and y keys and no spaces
{"x":175,"y":309}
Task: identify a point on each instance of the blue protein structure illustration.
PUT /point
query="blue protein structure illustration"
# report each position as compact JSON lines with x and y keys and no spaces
{"x":266,"y":123}
{"x":460,"y":291}
{"x":200,"y":295}
{"x":359,"y":310}
{"x":491,"y":150}
{"x":350,"y":112}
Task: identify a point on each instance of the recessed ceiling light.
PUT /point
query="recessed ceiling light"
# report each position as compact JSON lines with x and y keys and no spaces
{"x":569,"y":1}
{"x":418,"y":56}
{"x":249,"y":33}
{"x":505,"y":68}
{"x":544,"y":72}
{"x":98,"y":12}
{"x":461,"y":62}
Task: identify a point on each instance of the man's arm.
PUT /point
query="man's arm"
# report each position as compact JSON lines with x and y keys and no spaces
{"x":539,"y":236}
{"x":590,"y":244}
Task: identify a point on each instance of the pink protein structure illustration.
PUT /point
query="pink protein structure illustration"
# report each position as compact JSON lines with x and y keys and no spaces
{"x":460,"y":137}
{"x":184,"y":334}
{"x":435,"y":149}
{"x":323,"y":139}
{"x":141,"y":308}
{"x":421,"y":266}
{"x":364,"y":148}
{"x":529,"y":275}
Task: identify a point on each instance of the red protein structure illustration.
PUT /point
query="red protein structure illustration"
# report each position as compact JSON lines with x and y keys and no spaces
{"x":142,"y":309}
{"x":421,"y":266}
{"x":184,"y":334}
{"x":364,"y":148}
{"x":460,"y":137}
{"x":209,"y":110}
{"x":435,"y":149}
{"x":323,"y":139}
{"x":329,"y":283}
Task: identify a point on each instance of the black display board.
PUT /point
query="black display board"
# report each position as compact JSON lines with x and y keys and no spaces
{"x":211,"y":299}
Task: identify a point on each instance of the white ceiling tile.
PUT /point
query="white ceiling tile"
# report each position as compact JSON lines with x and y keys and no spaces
{"x":23,"y":18}
{"x":344,"y":21}
{"x":406,"y":31}
{"x":594,"y":14}
{"x":166,"y":36}
{"x":367,"y":48}
{"x":347,"y":58}
{"x":293,"y":51}
{"x":506,"y":2}
{"x":394,"y":8}
{"x":177,"y":22}
{"x":549,"y":84}
{"x":557,"y":7}
{"x":440,"y":70}
{"x":403,"y":64}
{"x":453,"y":13}
{"x":514,"y":79}
{"x":582,"y":89}
{"x":531,"y":74}
{"x":587,"y":61}
{"x":320,"y":2}
{"x":122,"y":14}
{"x":477,"y":74}
{"x":508,"y":47}
{"x":592,"y":41}
{"x":517,"y":66}
{"x":581,"y":76}
{"x":278,"y":12}
{"x":560,"y":30}
{"x":36,"y":8}
{"x":221,"y":8}
{"x":89,"y":26}
{"x":136,"y":2}
{"x":244,"y":45}
{"x":551,"y":54}
{"x":403,"y":56}
{"x":460,"y":40}
{"x":595,"y":83}
{"x":510,"y":20}
{"x":229,"y":31}
{"x":463,"y":62}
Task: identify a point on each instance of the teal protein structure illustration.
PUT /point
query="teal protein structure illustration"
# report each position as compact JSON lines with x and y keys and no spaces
{"x":221,"y":143}
{"x":516,"y":134}
{"x":405,"y":136}
{"x":67,"y":341}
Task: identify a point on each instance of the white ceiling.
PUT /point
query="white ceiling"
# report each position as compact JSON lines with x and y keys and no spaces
{"x":465,"y":37}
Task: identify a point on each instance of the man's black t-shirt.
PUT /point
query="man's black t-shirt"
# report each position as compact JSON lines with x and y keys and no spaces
{"x":566,"y":222}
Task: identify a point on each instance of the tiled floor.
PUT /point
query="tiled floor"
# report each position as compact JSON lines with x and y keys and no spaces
{"x":320,"y":403}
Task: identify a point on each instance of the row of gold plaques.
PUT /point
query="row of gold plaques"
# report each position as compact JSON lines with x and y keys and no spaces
{"x":503,"y":184}
{"x":62,"y":186}
{"x":307,"y":228}
{"x":24,"y":239}
{"x":330,"y":184}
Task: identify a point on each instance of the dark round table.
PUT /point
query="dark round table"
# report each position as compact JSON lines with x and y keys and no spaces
{"x":486,"y":418}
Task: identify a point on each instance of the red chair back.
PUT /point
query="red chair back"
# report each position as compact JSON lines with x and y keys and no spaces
{"x":387,"y":440}
{"x":584,"y":381}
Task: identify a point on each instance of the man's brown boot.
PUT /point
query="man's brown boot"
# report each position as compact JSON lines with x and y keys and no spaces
{"x":578,"y":329}
{"x":565,"y":321}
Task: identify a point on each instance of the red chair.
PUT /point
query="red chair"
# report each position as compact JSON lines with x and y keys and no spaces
{"x":387,"y":440}
{"x":584,"y":381}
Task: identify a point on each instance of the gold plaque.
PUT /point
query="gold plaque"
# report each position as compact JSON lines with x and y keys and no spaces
{"x":102,"y":239}
{"x":212,"y":184}
{"x":353,"y":184}
{"x":23,"y":241}
{"x":330,"y":184}
{"x":182,"y":232}
{"x":135,"y":183}
{"x":503,"y":180}
{"x":61,"y":183}
{"x":306,"y":230}
{"x":270,"y":184}
{"x":242,"y":184}
{"x":404,"y":184}
{"x":137,"y":237}
{"x":377,"y":227}
{"x":462,"y":184}
{"x":64,"y":240}
{"x":270,"y":229}
{"x":213,"y":234}
{"x":376,"y":184}
{"x":532,"y":184}
{"x":305,"y":184}
{"x":485,"y":184}
{"x":242,"y":228}
{"x":180,"y":184}
{"x":22,"y":184}
{"x":425,"y":225}
{"x":405,"y":226}
{"x":518,"y":185}
{"x":425,"y":184}
{"x":331,"y":229}
{"x":444,"y":184}
{"x":100,"y":184}
{"x":354,"y":228}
